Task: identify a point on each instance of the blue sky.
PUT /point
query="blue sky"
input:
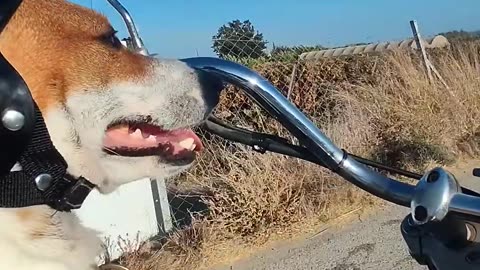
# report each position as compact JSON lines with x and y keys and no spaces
{"x":181,"y":28}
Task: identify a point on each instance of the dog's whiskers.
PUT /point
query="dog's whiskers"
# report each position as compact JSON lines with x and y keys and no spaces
{"x":110,"y":150}
{"x":54,"y":213}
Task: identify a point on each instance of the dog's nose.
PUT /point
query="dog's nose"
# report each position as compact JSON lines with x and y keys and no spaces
{"x":211,"y":86}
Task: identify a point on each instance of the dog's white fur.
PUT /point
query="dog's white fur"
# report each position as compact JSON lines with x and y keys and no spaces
{"x":77,"y":114}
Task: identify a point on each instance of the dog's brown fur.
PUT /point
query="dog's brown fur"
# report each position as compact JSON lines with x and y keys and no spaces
{"x":42,"y":46}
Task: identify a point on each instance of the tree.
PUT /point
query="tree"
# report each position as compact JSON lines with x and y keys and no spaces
{"x":239,"y":39}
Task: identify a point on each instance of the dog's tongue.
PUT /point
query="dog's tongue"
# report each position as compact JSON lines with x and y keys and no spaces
{"x":144,"y":137}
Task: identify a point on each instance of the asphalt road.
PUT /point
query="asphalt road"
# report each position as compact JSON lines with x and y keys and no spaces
{"x":372,"y":243}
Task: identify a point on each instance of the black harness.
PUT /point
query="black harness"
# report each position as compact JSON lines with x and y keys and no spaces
{"x":42,"y":177}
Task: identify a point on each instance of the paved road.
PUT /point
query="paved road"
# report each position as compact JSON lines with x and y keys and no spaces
{"x":373,"y":243}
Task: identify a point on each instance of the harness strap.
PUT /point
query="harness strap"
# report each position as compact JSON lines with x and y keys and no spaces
{"x":43,"y":178}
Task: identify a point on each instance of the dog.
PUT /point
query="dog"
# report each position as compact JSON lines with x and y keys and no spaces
{"x":115,"y":116}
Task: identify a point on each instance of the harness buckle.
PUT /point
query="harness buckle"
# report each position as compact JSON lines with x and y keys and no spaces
{"x":75,"y":195}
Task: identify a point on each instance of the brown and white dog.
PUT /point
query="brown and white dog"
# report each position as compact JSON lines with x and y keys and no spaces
{"x":114,"y":115}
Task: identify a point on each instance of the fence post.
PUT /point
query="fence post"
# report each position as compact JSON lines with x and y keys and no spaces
{"x":162,"y":205}
{"x":432,"y":67}
{"x":292,"y":80}
{"x":418,"y":40}
{"x":428,"y":65}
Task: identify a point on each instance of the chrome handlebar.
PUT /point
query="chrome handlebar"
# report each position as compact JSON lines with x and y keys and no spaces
{"x":436,"y":194}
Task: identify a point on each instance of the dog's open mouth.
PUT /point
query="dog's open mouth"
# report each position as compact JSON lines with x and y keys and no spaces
{"x":139,"y":139}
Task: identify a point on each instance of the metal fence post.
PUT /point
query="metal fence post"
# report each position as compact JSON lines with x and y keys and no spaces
{"x":428,"y":65}
{"x":162,"y":205}
{"x":418,"y":40}
{"x":292,"y":80}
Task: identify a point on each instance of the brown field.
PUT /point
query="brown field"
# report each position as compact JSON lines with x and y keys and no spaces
{"x":378,"y":107}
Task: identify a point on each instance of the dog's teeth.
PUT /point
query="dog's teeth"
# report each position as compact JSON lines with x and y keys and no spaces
{"x":187,"y":143}
{"x":193,"y":147}
{"x":151,"y":138}
{"x":137,"y":134}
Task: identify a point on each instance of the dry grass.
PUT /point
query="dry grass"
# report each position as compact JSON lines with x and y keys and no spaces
{"x":391,"y":113}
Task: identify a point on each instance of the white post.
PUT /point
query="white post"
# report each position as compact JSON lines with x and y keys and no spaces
{"x":418,"y":40}
{"x":432,"y":67}
{"x":134,"y":213}
{"x":162,"y":205}
{"x":428,"y":65}
{"x":292,"y":80}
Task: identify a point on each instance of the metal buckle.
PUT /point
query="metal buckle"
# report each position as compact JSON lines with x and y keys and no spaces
{"x":75,"y":195}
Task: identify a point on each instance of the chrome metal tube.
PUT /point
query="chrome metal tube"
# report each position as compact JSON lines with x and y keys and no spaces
{"x":266,"y":95}
{"x":375,"y":183}
{"x":132,"y":29}
{"x":465,"y":204}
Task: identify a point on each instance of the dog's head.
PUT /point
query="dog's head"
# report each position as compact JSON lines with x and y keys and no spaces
{"x":115,"y":116}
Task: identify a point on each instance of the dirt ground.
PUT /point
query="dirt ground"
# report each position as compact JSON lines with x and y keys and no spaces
{"x":371,"y":241}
